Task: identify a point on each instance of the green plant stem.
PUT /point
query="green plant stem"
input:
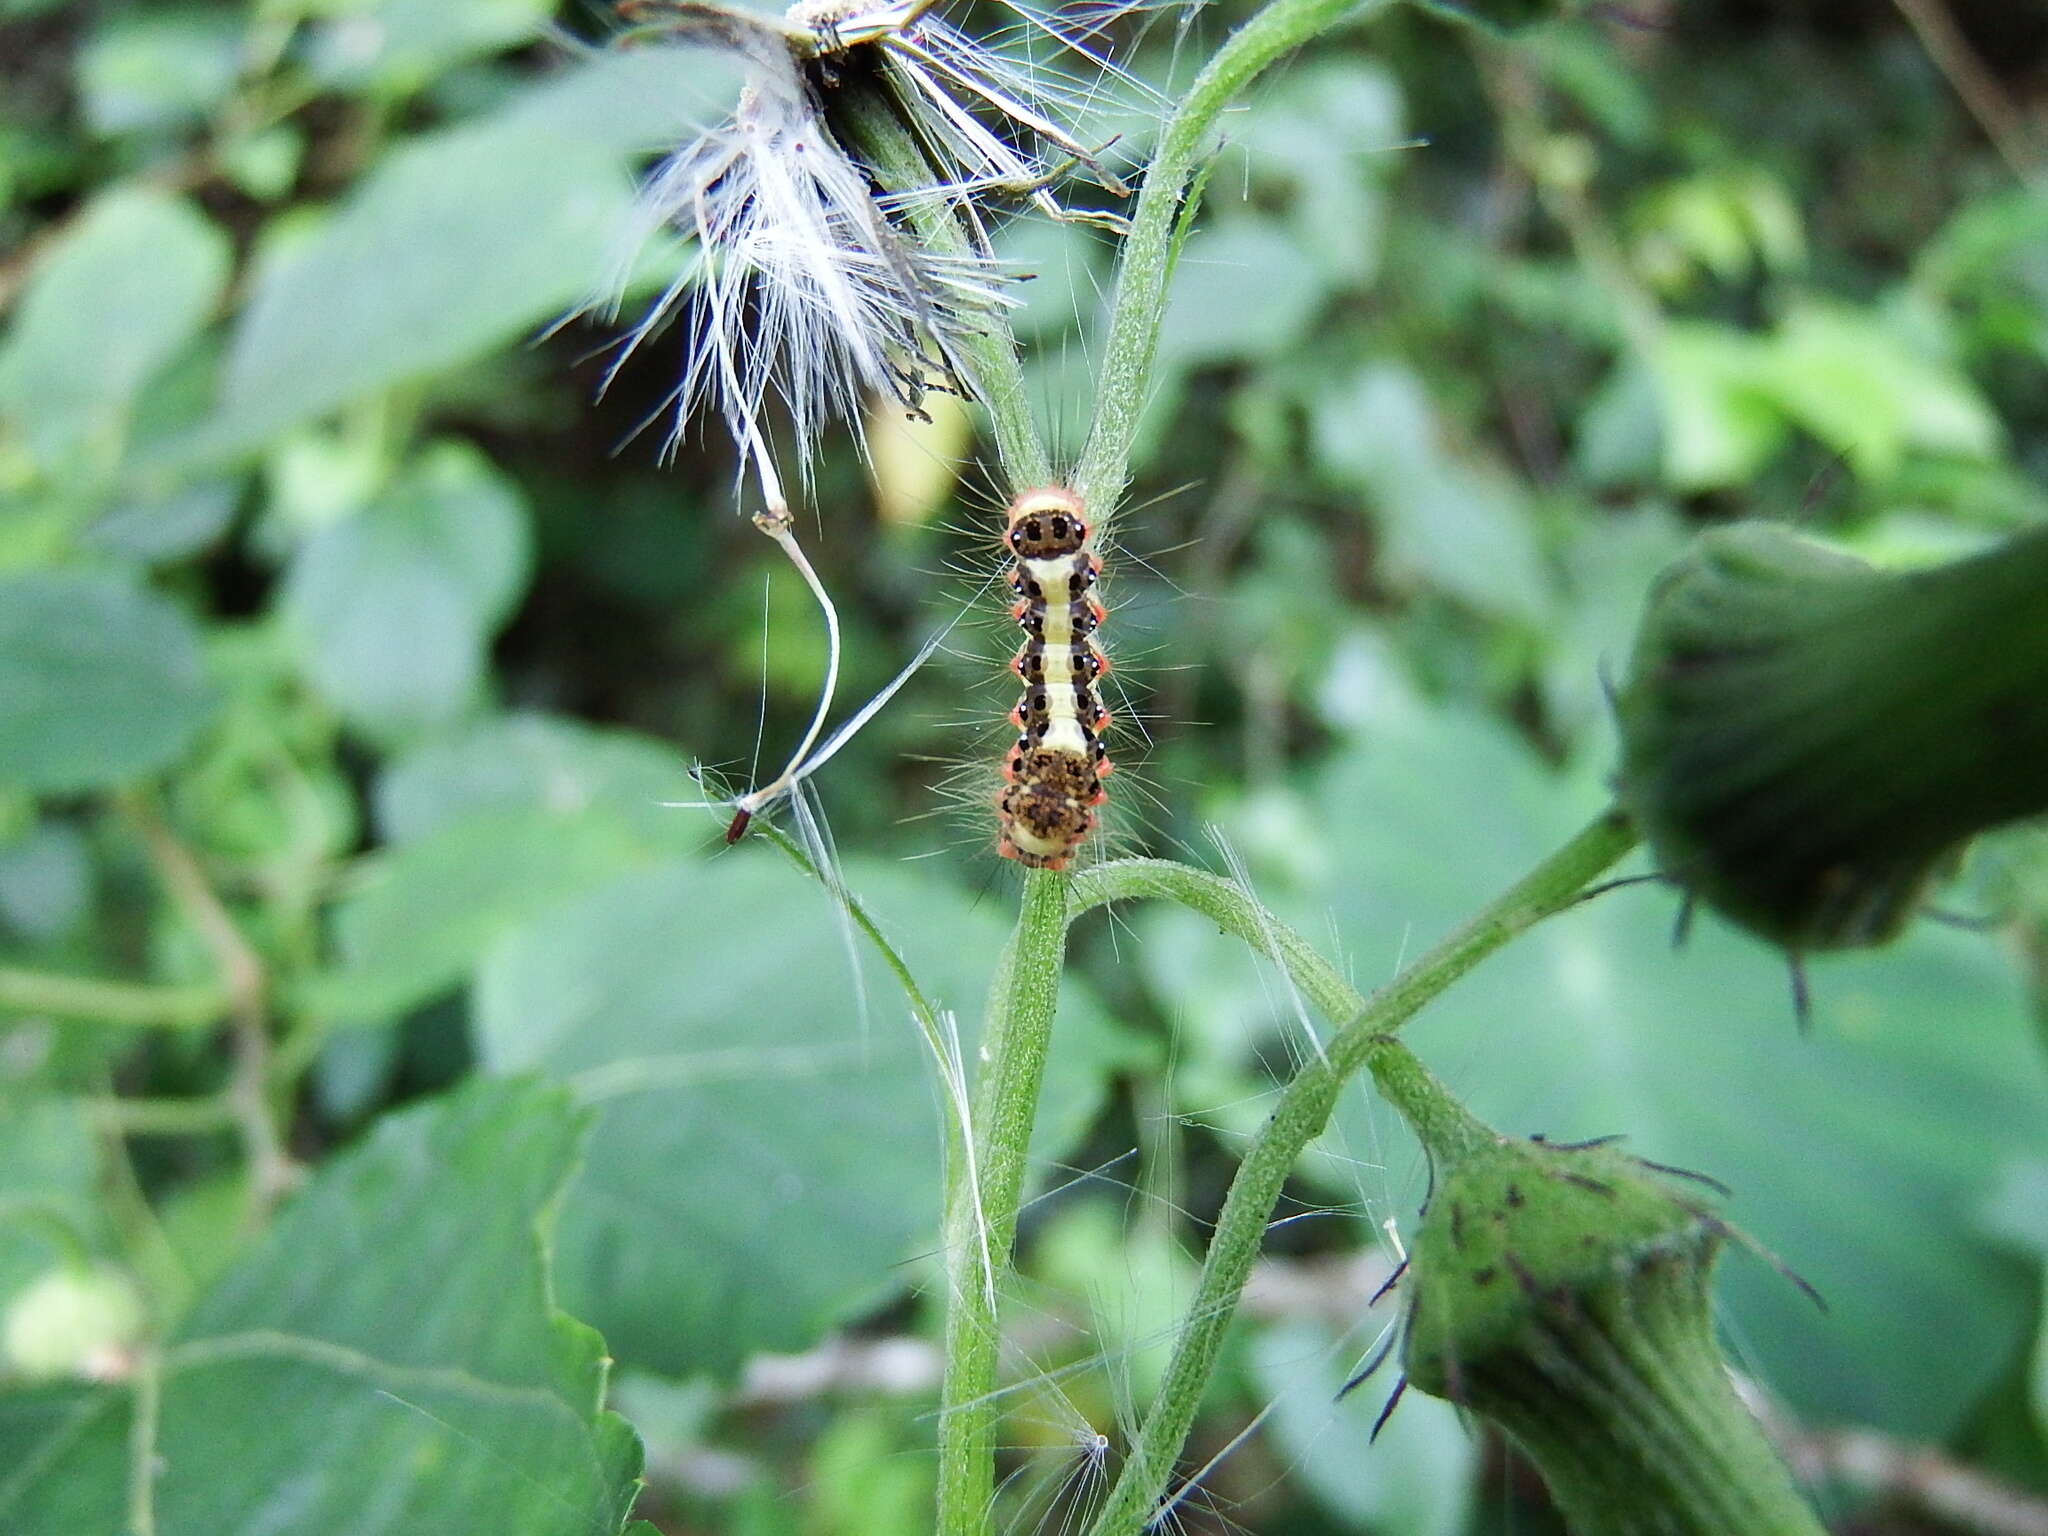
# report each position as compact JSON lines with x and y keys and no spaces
{"x":990,"y":351}
{"x":147,"y":1392}
{"x":920,"y":1007}
{"x":1015,"y":1037}
{"x":89,"y":999}
{"x":163,"y":1117}
{"x":1231,"y":908}
{"x":246,"y":979}
{"x":1305,"y":1106}
{"x":1148,"y":251}
{"x":981,"y":1222}
{"x":1446,"y":1129}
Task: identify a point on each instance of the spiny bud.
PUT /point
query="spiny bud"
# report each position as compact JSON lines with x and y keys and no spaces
{"x":1563,"y":1292}
{"x":1808,"y":741}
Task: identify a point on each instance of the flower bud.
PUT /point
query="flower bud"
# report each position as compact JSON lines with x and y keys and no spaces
{"x":1808,"y":741}
{"x":1563,"y":1293}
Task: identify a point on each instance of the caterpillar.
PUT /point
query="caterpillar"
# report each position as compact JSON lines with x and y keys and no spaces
{"x":1052,"y":777}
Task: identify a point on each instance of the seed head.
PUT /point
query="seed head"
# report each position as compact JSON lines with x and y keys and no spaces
{"x":801,"y":292}
{"x":806,"y":290}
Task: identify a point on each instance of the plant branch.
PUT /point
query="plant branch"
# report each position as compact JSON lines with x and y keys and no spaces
{"x":1231,"y":908}
{"x":927,"y":1017}
{"x":1014,"y":1042}
{"x":990,"y":351}
{"x":1163,"y":204}
{"x":247,"y":982}
{"x":1985,"y":99}
{"x":92,"y":1000}
{"x":1306,"y":1104}
{"x":162,"y":1117}
{"x":983,"y":1194}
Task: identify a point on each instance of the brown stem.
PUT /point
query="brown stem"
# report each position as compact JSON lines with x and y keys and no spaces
{"x":1977,"y":86}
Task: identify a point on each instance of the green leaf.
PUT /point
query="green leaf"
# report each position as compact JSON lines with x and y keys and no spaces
{"x":46,"y":881}
{"x":1459,"y":526}
{"x":1729,"y":398}
{"x":1859,"y":388}
{"x":1987,"y":268}
{"x":458,"y":242}
{"x":1416,"y":1478}
{"x":394,"y":607}
{"x":1720,"y":424}
{"x":113,"y":300}
{"x":387,"y":1362}
{"x":158,"y":69}
{"x":765,"y":1159}
{"x":540,"y":762}
{"x":161,"y":526}
{"x":50,"y":1210}
{"x":490,"y":828}
{"x":1621,"y":429}
{"x":421,"y":916}
{"x":100,"y":681}
{"x":1859,"y":1154}
{"x":2018,"y":1213}
{"x":1243,"y":289}
{"x":401,"y":45}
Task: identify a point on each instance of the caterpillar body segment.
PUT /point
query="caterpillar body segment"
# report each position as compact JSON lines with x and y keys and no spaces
{"x":1052,"y":778}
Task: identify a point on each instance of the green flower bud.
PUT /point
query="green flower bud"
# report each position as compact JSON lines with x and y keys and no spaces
{"x":1808,"y":742}
{"x":1563,"y":1292}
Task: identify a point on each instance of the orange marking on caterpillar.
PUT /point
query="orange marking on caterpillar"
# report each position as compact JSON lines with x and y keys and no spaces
{"x":1052,"y":776}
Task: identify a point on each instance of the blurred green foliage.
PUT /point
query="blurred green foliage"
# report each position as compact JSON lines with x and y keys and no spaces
{"x":351,"y":647}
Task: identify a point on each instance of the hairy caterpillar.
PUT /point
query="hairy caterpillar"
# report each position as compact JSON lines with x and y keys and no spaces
{"x":1052,"y":779}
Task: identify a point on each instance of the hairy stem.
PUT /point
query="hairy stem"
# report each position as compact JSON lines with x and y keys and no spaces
{"x":983,"y":1191}
{"x":1231,"y":908}
{"x":1148,"y":252}
{"x":920,"y":1006}
{"x":1014,"y":1041}
{"x":990,"y":351}
{"x":1307,"y":1102}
